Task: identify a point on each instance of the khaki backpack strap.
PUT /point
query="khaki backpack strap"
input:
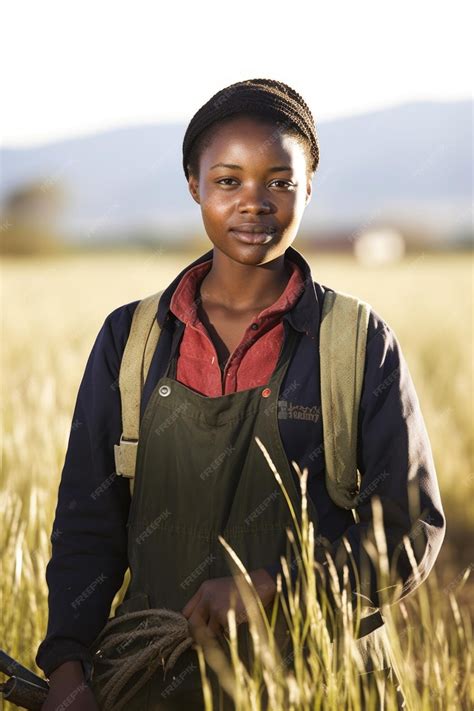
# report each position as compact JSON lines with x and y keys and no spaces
{"x":343,"y":336}
{"x":136,"y":359}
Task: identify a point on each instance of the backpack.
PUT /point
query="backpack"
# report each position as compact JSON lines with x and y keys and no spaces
{"x":343,"y":335}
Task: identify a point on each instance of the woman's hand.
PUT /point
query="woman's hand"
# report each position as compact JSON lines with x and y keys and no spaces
{"x":207,"y":610}
{"x":68,"y":688}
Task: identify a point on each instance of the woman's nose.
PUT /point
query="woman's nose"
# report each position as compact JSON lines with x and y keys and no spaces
{"x":254,"y":200}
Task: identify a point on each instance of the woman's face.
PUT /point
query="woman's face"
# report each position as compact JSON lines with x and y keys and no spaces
{"x":252,"y":178}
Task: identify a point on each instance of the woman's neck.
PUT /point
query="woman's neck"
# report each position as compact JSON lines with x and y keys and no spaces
{"x":242,"y":287}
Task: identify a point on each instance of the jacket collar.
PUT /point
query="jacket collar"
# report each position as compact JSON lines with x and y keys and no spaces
{"x":304,"y":316}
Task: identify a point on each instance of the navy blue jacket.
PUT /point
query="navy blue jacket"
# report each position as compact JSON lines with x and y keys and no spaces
{"x":89,"y":535}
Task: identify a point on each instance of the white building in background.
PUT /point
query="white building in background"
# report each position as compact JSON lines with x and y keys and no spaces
{"x":377,"y":246}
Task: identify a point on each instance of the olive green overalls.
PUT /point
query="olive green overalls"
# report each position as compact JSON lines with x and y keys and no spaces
{"x":200,"y":473}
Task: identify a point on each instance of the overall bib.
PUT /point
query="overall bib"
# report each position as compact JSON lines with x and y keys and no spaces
{"x":200,"y":474}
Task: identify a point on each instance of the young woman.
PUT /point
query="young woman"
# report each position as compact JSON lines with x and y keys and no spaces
{"x":237,"y":357}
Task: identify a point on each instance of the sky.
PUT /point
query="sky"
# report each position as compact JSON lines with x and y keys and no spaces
{"x":74,"y":68}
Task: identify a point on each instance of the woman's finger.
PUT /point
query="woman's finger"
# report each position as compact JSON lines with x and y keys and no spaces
{"x":214,"y":626}
{"x":190,"y":606}
{"x":198,"y":618}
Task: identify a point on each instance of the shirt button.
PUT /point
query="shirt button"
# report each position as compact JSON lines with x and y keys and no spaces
{"x":254,"y":326}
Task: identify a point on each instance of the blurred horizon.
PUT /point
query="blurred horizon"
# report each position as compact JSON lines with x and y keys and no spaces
{"x":404,"y":171}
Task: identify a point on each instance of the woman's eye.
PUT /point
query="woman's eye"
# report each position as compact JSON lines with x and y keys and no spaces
{"x":223,"y":179}
{"x":285,"y":183}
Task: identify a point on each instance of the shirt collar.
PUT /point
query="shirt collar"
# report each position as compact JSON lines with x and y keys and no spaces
{"x":304,"y":316}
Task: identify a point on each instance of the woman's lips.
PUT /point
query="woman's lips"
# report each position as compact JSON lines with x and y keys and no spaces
{"x":253,"y":237}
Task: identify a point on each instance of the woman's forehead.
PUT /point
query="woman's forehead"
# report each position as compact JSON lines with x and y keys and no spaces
{"x":246,"y":124}
{"x":256,"y":139}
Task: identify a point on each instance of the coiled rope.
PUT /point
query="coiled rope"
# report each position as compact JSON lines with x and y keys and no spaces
{"x":160,"y":638}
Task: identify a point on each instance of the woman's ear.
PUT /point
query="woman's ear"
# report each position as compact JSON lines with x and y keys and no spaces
{"x":309,"y":189}
{"x":193,"y":186}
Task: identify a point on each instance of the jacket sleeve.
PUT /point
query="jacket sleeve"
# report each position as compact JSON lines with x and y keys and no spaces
{"x":395,"y":460}
{"x":88,"y":538}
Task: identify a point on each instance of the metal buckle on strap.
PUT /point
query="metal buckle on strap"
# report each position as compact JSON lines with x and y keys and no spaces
{"x":125,"y":457}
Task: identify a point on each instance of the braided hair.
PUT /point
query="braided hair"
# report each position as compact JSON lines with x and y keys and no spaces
{"x":268,"y":99}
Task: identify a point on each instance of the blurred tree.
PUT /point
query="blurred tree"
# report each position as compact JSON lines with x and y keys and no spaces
{"x":29,"y":218}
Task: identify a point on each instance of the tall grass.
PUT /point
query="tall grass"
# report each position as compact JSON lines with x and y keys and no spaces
{"x":325,"y":670}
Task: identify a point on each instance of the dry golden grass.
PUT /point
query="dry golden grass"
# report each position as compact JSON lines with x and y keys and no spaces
{"x":52,"y":311}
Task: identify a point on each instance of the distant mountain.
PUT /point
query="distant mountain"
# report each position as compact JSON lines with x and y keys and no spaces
{"x":412,"y":161}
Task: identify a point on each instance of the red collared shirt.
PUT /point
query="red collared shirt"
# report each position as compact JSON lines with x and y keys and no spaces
{"x":253,"y":361}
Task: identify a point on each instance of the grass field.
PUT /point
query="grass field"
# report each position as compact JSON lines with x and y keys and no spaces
{"x":52,"y":309}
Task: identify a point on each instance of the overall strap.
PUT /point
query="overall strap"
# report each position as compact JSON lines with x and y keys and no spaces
{"x":342,"y":345}
{"x":136,"y":359}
